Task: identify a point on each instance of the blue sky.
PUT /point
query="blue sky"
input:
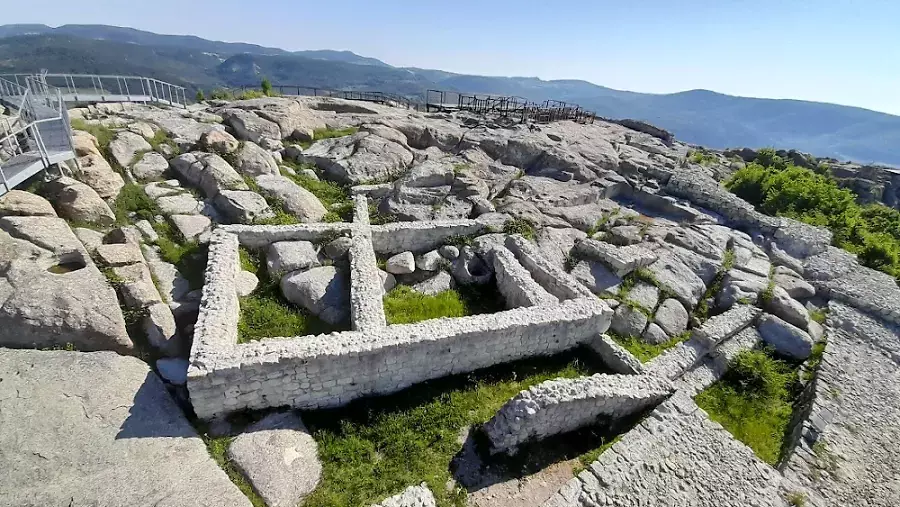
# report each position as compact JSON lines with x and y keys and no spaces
{"x":840,"y":51}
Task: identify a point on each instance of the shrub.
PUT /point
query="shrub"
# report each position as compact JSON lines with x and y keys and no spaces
{"x":200,"y":97}
{"x":221,"y":94}
{"x":133,"y":199}
{"x":872,"y":232}
{"x":519,"y":226}
{"x":266,"y":86}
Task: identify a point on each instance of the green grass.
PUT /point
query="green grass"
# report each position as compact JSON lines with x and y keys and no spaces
{"x":815,"y":359}
{"x":702,"y":157}
{"x":754,"y":401}
{"x":160,"y":137}
{"x":103,"y":134}
{"x":819,"y":315}
{"x":402,"y":305}
{"x":335,"y":197}
{"x":646,"y":351}
{"x":188,"y":257}
{"x":281,"y":215}
{"x":519,"y":226}
{"x":266,"y":314}
{"x":376,"y":447}
{"x":133,"y":199}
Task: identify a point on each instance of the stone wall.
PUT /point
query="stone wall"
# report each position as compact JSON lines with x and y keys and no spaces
{"x":562,"y":405}
{"x":330,"y":370}
{"x":796,"y":238}
{"x":366,"y":288}
{"x":420,"y":237}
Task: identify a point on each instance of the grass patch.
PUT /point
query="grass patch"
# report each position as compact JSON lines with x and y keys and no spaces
{"x":376,"y":447}
{"x":702,"y":157}
{"x":519,"y":226}
{"x":819,"y":315}
{"x":266,"y":314}
{"x":815,"y":359}
{"x":336,"y":198}
{"x":646,"y":351}
{"x":188,"y":257}
{"x":402,"y":305}
{"x":103,"y":133}
{"x":754,"y":401}
{"x":133,"y":199}
{"x":160,"y":137}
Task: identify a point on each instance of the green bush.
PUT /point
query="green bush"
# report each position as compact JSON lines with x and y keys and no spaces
{"x":133,"y":199}
{"x":103,"y":133}
{"x":872,"y":232}
{"x":266,"y":86}
{"x":519,"y":226}
{"x":200,"y":97}
{"x":221,"y":94}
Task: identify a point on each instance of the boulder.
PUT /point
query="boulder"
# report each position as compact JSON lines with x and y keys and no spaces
{"x":159,"y":189}
{"x":673,"y":275}
{"x":242,"y":206}
{"x":279,"y":457}
{"x":794,"y":284}
{"x":401,"y":264}
{"x":147,"y":231}
{"x":251,"y":160}
{"x":438,"y":283}
{"x":644,"y":294}
{"x":286,"y":256}
{"x":671,"y":317}
{"x":218,"y":141}
{"x":210,"y":172}
{"x":96,"y":173}
{"x":789,"y":309}
{"x":358,"y":158}
{"x":54,"y":298}
{"x":85,"y":143}
{"x":324,"y":291}
{"x":179,"y":204}
{"x":21,"y":203}
{"x":388,"y":281}
{"x":158,"y":325}
{"x":173,"y":370}
{"x":413,"y":496}
{"x":124,"y":234}
{"x":191,"y":227}
{"x":71,"y":418}
{"x":247,"y":126}
{"x":90,"y":238}
{"x":150,"y":167}
{"x":654,"y":334}
{"x":295,"y":199}
{"x":430,"y":261}
{"x":136,"y":287}
{"x":628,"y":321}
{"x":596,"y":277}
{"x":120,"y":254}
{"x":556,"y":244}
{"x":449,"y":252}
{"x":78,"y":202}
{"x":245,"y":283}
{"x":784,"y":337}
{"x":125,"y":147}
{"x":337,"y":248}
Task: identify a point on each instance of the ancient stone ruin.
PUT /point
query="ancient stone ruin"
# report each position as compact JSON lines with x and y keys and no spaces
{"x":595,"y":242}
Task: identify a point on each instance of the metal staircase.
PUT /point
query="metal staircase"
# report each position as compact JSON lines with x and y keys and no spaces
{"x":36,"y":137}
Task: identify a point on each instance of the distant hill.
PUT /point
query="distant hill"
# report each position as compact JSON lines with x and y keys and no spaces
{"x":697,"y":116}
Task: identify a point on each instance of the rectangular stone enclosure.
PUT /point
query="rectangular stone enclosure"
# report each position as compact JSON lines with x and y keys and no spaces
{"x":310,"y":372}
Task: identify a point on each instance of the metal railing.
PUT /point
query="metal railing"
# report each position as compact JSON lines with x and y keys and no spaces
{"x":390,"y":99}
{"x":507,"y":106}
{"x":102,"y":88}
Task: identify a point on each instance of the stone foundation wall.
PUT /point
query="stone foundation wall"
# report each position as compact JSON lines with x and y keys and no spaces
{"x":562,"y":405}
{"x":419,"y":237}
{"x":329,"y":370}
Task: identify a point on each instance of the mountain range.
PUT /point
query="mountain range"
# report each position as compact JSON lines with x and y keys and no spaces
{"x":697,"y":116}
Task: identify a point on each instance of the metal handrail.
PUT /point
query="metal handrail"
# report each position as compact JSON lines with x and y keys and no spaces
{"x":157,"y":91}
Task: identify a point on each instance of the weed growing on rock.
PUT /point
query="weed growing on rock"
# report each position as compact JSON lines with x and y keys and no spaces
{"x":335,"y":197}
{"x":133,"y":199}
{"x":754,"y":401}
{"x":188,"y":257}
{"x":702,"y":157}
{"x":519,"y":226}
{"x":103,"y":133}
{"x":796,"y":498}
{"x":819,"y":315}
{"x":815,"y":359}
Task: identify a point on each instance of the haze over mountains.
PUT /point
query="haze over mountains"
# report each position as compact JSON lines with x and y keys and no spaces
{"x":697,"y":116}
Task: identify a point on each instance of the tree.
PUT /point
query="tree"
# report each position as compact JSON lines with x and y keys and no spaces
{"x":266,"y":87}
{"x":200,"y":96}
